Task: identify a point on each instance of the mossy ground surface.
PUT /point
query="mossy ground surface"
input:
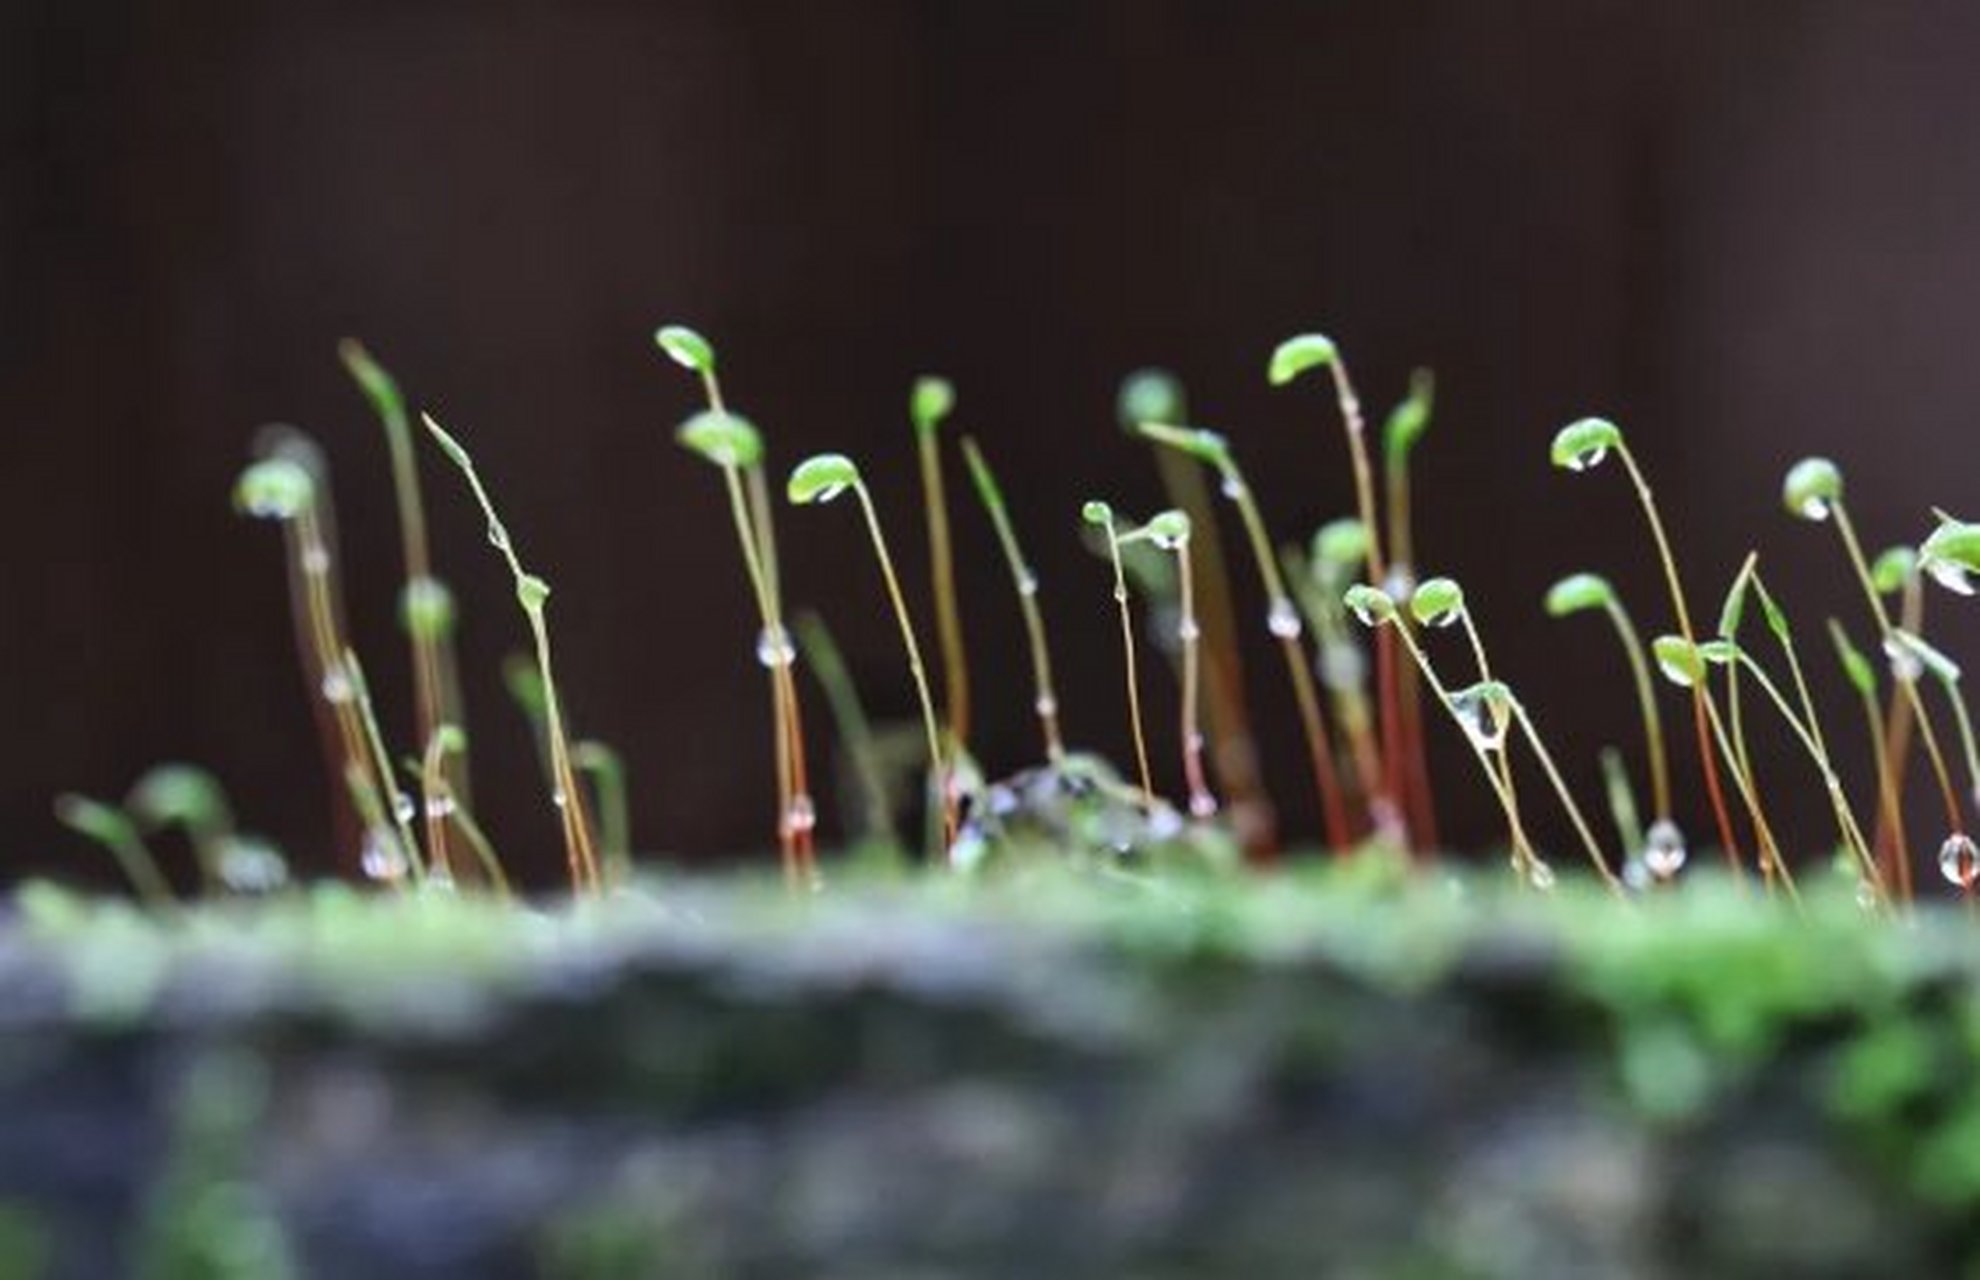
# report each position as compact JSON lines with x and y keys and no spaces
{"x":1415,"y":1074}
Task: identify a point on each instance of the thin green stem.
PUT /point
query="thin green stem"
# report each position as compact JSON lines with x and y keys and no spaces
{"x":1700,"y":700}
{"x":1646,"y":700}
{"x":1201,"y":803}
{"x":1128,"y":660}
{"x":1926,"y":733}
{"x":608,"y":787}
{"x":942,"y":572}
{"x":936,"y":760}
{"x":1025,"y":582}
{"x":1280,"y":606}
{"x":855,"y":730}
{"x":1581,"y":827}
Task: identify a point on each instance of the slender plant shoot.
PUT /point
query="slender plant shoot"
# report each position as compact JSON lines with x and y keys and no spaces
{"x":1155,"y":395}
{"x":823,"y":478}
{"x":113,"y":829}
{"x":1170,"y":531}
{"x":1281,"y":617}
{"x":532,"y":595}
{"x":1664,"y":850}
{"x":1101,"y":516}
{"x":1045,"y":701}
{"x":1292,"y":358}
{"x":828,"y":666}
{"x":1405,"y":426}
{"x":931,"y":401}
{"x":426,"y":606}
{"x":1583,"y":446}
{"x":1813,"y":491}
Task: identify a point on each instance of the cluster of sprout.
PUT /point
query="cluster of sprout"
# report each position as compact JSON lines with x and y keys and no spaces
{"x":410,"y":820}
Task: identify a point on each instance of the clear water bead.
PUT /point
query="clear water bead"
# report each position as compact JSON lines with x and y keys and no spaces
{"x":1282,"y":620}
{"x":315,"y":561}
{"x":381,"y":858}
{"x":1906,"y":665}
{"x":1482,"y":722}
{"x":1540,"y":875}
{"x":336,"y":686}
{"x":403,"y":807}
{"x":1959,"y":860}
{"x":802,"y":816}
{"x":774,"y":648}
{"x":1232,"y":487}
{"x":1027,"y":583}
{"x":440,"y":806}
{"x":1814,"y":508}
{"x":1589,"y":460}
{"x":1188,"y":631}
{"x":1951,"y":575}
{"x":1664,"y":849}
{"x":1202,"y":805}
{"x":1046,"y":705}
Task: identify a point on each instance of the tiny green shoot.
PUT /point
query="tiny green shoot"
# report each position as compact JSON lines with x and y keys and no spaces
{"x":1586,"y":592}
{"x":929,"y":403}
{"x":1101,"y":516}
{"x":1170,"y":531}
{"x":1583,"y":445}
{"x":823,"y":478}
{"x":532,"y":594}
{"x":1281,"y":618}
{"x":112,"y":828}
{"x":1045,"y":701}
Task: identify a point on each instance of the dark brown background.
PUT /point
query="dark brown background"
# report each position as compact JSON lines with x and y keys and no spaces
{"x":1748,"y":231}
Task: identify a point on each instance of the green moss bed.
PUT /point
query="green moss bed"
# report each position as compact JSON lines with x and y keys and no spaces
{"x":1346,"y":1071}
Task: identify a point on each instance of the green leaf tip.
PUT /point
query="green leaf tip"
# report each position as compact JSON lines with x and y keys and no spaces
{"x":1372,"y":606}
{"x":378,"y":386}
{"x":932,"y":400}
{"x":1862,"y":675}
{"x":1438,"y":602}
{"x":821,"y":478}
{"x":1150,"y":395}
{"x":1341,"y":544}
{"x":104,"y":823}
{"x":1411,"y":417}
{"x":1893,"y":570}
{"x":987,"y":489}
{"x":1096,"y":513}
{"x":426,"y":608}
{"x":723,"y":438}
{"x":1205,"y":446}
{"x":1679,"y":659}
{"x":1583,"y":445}
{"x":531,"y":592}
{"x":277,"y":488}
{"x":1578,"y":593}
{"x":1168,"y":530}
{"x":685,"y":347}
{"x":179,"y":793}
{"x":1812,"y":488}
{"x":1952,"y":554}
{"x":455,"y":451}
{"x":1296,"y":355}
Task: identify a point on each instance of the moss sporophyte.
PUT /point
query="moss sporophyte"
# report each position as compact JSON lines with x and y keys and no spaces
{"x":405,"y":819}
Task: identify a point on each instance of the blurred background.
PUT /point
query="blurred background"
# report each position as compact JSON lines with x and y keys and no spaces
{"x":1746,"y":232}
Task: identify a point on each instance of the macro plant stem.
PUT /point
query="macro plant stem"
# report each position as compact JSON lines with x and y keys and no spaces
{"x":828,"y":666}
{"x":424,"y":604}
{"x":1025,"y":582}
{"x":748,"y":537}
{"x":1201,"y":802}
{"x":1646,"y":698}
{"x":1892,"y":860}
{"x":1811,"y":742}
{"x":532,"y":592}
{"x":1702,"y":712}
{"x":942,"y":572}
{"x":1097,"y":513}
{"x":1846,"y":528}
{"x":1528,"y":862}
{"x":1582,"y":830}
{"x":937,"y":761}
{"x":1320,"y":749}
